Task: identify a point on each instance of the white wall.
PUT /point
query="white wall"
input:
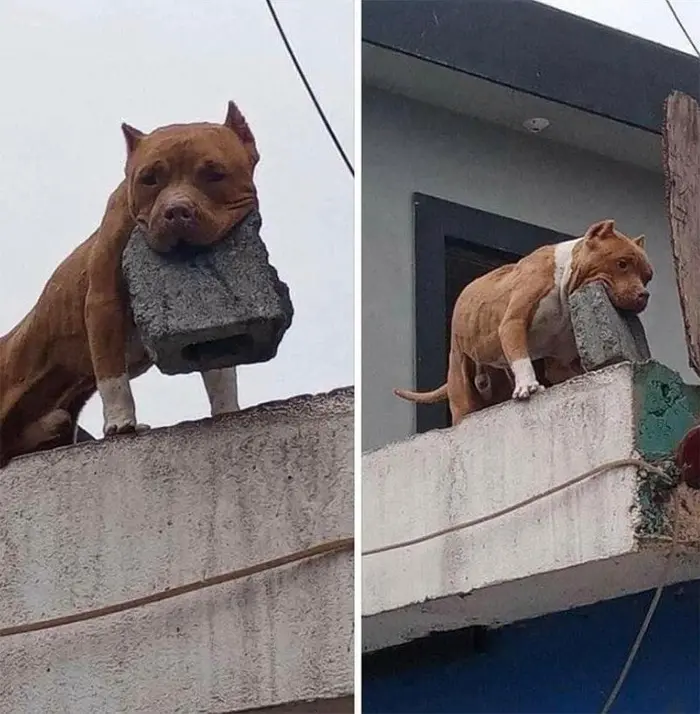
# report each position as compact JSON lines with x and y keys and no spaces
{"x":409,"y":146}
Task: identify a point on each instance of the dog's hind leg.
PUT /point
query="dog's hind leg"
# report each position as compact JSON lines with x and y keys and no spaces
{"x":51,"y":430}
{"x":460,"y":386}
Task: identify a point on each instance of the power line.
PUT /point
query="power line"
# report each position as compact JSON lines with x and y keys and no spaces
{"x":328,"y":548}
{"x":306,"y":84}
{"x":603,"y":468}
{"x":680,"y":24}
{"x":650,"y":612}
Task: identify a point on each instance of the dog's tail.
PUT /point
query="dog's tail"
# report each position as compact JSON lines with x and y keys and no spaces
{"x":437,"y":395}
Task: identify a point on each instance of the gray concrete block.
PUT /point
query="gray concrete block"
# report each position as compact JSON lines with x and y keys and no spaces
{"x":605,"y":335}
{"x":211,"y":308}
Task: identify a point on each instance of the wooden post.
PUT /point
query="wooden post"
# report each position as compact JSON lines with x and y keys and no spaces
{"x":681,"y":153}
{"x":681,"y":150}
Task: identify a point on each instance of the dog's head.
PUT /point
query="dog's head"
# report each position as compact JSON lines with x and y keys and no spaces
{"x":191,"y":183}
{"x":617,"y":261}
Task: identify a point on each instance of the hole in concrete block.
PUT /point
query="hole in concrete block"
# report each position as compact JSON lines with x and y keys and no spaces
{"x":205,"y":351}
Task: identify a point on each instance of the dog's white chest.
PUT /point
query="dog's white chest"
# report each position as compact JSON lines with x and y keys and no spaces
{"x":551,"y":325}
{"x":551,"y":332}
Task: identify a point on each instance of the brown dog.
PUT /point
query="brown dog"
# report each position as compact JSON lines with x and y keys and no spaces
{"x":519,"y":313}
{"x":186,"y":183}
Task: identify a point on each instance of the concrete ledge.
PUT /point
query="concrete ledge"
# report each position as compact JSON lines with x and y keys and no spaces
{"x":105,"y":521}
{"x":341,"y":705}
{"x":603,"y":538}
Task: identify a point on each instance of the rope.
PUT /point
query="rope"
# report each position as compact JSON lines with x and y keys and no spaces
{"x":521,"y":504}
{"x":650,"y":612}
{"x":335,"y":546}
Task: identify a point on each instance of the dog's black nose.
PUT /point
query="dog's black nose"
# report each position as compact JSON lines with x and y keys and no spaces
{"x":179,"y":212}
{"x":642,"y":299}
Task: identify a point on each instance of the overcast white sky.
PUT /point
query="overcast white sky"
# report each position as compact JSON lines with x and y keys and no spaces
{"x":650,"y":19}
{"x":72,"y":71}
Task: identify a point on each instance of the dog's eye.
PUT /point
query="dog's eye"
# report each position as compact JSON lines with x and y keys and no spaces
{"x":148,"y":178}
{"x":214,"y":175}
{"x":622,"y":264}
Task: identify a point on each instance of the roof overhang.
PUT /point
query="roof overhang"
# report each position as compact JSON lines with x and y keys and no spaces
{"x":507,"y":62}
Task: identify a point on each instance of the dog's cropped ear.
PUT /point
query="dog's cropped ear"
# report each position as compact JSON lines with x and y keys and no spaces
{"x":640,"y":241}
{"x":236,"y":121}
{"x":132,"y":136}
{"x":602,"y":229}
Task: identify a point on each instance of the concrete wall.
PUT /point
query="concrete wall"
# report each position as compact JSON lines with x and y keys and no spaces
{"x":408,"y":147}
{"x":107,"y":521}
{"x":584,"y":544}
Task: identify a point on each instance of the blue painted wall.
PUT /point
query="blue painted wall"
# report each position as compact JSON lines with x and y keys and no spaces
{"x":561,"y":663}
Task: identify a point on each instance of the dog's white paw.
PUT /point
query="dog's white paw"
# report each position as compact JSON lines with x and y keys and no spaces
{"x":119,"y":426}
{"x":124,"y":426}
{"x":118,"y":407}
{"x":526,"y":390}
{"x":526,"y":383}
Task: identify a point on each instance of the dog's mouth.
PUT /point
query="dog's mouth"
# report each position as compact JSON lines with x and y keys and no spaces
{"x":178,"y":241}
{"x":633,"y":305}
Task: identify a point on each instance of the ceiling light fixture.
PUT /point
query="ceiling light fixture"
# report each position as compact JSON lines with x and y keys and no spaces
{"x":536,"y":124}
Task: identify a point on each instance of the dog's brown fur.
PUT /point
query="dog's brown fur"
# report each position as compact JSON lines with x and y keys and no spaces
{"x":518,"y":313}
{"x":187,"y":182}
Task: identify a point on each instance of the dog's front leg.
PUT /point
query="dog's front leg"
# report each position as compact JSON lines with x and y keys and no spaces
{"x":106,"y":319}
{"x":222,"y":390}
{"x":513,"y":335}
{"x":106,"y":330}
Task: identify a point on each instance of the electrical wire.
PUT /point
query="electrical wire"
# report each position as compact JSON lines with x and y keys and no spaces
{"x":680,"y":24}
{"x":650,"y":612}
{"x":608,"y":466}
{"x":335,"y":546}
{"x":310,"y":91}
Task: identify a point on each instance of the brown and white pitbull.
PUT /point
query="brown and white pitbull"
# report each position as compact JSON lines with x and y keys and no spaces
{"x":187,"y":183}
{"x":519,"y":313}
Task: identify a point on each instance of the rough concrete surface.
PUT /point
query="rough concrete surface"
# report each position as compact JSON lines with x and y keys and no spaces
{"x":666,"y":408}
{"x":209,"y":309}
{"x":604,"y":335}
{"x":572,"y":548}
{"x":688,"y":515}
{"x":101,"y":522}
